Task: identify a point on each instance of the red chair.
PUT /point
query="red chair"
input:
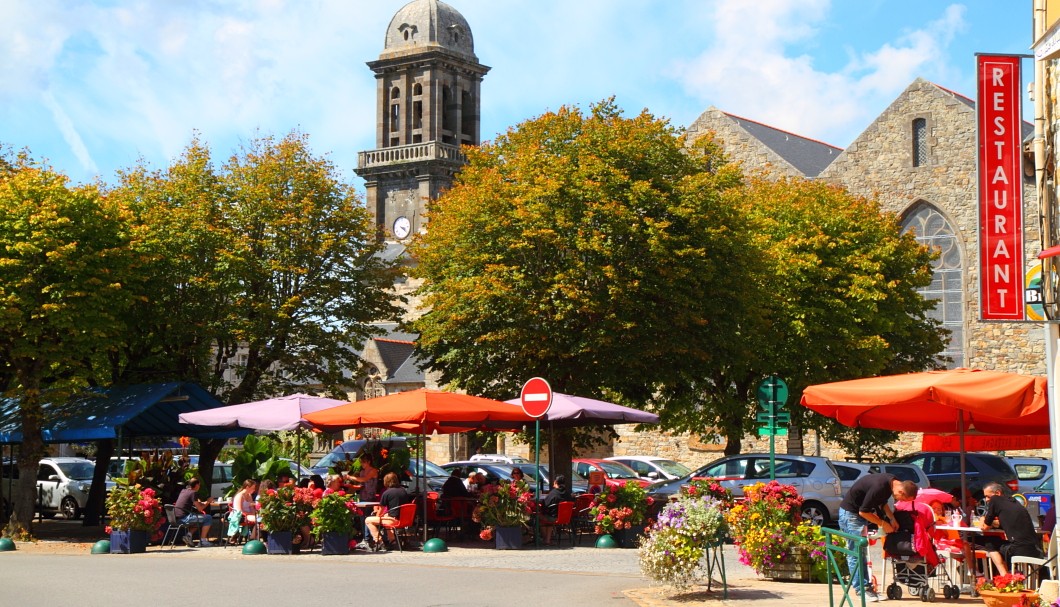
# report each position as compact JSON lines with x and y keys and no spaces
{"x":564,"y":521}
{"x":436,"y":519}
{"x":405,"y":519}
{"x":582,"y":522}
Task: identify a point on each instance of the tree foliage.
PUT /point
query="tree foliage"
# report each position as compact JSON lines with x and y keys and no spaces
{"x":65,"y":257}
{"x":842,"y":303}
{"x":589,"y":249}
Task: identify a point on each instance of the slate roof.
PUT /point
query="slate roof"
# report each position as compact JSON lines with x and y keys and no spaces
{"x":410,"y":372}
{"x":807,"y":155}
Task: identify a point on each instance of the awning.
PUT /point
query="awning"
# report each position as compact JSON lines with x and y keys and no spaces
{"x":137,"y":410}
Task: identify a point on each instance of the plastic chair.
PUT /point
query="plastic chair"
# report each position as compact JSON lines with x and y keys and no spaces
{"x":1032,"y":567}
{"x":178,"y":528}
{"x":406,"y":519}
{"x":437,"y":519}
{"x":563,"y":522}
{"x":581,"y":522}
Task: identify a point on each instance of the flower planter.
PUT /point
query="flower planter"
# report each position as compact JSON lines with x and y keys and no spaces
{"x":795,"y":568}
{"x":992,"y":598}
{"x":334,"y":543}
{"x":508,"y":538}
{"x":279,"y":542}
{"x":628,"y":538}
{"x":128,"y":542}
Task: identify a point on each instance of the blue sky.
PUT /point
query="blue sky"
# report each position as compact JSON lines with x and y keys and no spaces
{"x":93,"y":85}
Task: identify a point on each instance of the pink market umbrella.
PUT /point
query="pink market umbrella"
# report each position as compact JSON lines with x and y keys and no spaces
{"x":280,"y":413}
{"x":272,"y":414}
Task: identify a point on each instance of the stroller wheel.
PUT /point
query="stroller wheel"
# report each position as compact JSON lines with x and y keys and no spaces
{"x":914,"y":590}
{"x":928,"y":596}
{"x":894,"y":592}
{"x":955,"y":591}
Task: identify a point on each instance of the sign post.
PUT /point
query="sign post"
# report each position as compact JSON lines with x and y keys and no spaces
{"x":772,"y":394}
{"x":536,"y":399}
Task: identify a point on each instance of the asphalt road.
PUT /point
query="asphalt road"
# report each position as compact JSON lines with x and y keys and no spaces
{"x":214,"y":576}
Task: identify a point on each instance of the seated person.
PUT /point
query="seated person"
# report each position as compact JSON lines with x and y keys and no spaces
{"x":190,"y":510}
{"x":550,"y":507}
{"x":368,"y":477}
{"x":393,"y":497}
{"x":243,"y":516}
{"x":454,"y":486}
{"x":1007,"y":514}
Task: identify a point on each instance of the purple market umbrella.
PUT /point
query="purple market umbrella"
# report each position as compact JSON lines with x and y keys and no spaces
{"x":569,"y":411}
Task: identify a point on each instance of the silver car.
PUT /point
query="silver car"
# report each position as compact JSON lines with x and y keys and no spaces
{"x":816,"y":480}
{"x":63,"y":484}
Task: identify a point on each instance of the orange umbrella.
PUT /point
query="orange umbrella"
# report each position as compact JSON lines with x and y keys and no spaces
{"x":989,"y":402}
{"x":422,"y":410}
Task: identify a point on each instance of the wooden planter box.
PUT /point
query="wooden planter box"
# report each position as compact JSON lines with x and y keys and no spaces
{"x":794,"y":569}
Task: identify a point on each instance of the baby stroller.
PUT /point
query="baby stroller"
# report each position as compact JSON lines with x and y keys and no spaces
{"x":912,"y":557}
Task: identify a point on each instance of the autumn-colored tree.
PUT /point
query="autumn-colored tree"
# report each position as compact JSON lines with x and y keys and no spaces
{"x":842,"y":304}
{"x":65,"y":256}
{"x":589,"y":249}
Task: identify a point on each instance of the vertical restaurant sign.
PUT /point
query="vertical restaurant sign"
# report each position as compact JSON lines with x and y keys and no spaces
{"x":1000,"y":188}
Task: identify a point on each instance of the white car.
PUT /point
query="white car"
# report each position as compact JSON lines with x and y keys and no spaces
{"x":498,"y":458}
{"x":653,"y":468}
{"x":63,"y":484}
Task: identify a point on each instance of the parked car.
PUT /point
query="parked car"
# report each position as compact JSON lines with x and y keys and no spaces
{"x":615,"y":473}
{"x":904,"y":472}
{"x":815,"y":478}
{"x":63,"y":484}
{"x":352,"y":449}
{"x":943,"y":469}
{"x":494,"y":471}
{"x":499,"y":457}
{"x":1044,"y":494}
{"x":576,"y":485}
{"x":435,"y":474}
{"x":1031,"y":471}
{"x":652,"y":467}
{"x":850,"y":472}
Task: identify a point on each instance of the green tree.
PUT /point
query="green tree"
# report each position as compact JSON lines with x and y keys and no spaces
{"x":843,"y":303}
{"x":65,"y":256}
{"x":593,"y":250}
{"x":272,"y":254}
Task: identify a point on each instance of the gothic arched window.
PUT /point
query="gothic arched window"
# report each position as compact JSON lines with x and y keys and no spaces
{"x":947,"y":284}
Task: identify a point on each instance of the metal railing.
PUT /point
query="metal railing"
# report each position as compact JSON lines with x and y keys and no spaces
{"x":835,"y":567}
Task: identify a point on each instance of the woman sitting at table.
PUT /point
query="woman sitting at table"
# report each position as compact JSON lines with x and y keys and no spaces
{"x":394,"y":496}
{"x":243,"y":515}
{"x":550,"y":507}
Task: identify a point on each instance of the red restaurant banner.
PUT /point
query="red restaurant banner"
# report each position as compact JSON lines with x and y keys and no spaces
{"x":1000,"y":188}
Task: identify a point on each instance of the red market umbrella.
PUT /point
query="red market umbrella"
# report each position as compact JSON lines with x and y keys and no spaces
{"x":958,"y":400}
{"x":421,"y":410}
{"x":926,"y":495}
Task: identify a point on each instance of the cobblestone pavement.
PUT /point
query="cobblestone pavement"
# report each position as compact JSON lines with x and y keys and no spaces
{"x":744,"y":586}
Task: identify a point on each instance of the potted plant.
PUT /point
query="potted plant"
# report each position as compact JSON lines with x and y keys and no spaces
{"x":332,"y":520}
{"x":621,"y":511}
{"x":503,"y":509}
{"x":1005,"y":590}
{"x":674,"y":549}
{"x":135,"y":515}
{"x":770,"y":535}
{"x":284,"y":511}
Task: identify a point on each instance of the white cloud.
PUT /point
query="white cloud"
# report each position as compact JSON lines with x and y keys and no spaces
{"x":759,"y":66}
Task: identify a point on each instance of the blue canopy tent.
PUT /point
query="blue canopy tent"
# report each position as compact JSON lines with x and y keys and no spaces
{"x":119,"y":412}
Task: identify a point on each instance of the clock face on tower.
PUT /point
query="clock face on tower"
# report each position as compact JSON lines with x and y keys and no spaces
{"x":402,"y":227}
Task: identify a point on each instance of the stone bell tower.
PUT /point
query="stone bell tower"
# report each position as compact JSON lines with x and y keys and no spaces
{"x":427,"y":105}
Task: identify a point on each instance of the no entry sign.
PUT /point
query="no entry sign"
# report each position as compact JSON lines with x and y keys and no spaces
{"x":536,"y":397}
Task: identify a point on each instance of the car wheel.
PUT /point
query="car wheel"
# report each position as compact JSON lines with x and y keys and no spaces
{"x":70,"y":509}
{"x":816,"y":513}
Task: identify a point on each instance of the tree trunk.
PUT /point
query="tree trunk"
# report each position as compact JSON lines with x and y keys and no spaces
{"x":563,"y":450}
{"x":30,"y":454}
{"x":208,"y":452}
{"x":97,"y":495}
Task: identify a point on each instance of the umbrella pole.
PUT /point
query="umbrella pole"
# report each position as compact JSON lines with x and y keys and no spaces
{"x":421,"y":471}
{"x":968,"y":554}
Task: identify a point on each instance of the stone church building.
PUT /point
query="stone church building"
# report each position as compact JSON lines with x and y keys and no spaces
{"x":918,"y":158}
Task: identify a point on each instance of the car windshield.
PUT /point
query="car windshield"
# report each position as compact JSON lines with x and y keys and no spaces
{"x":671,"y":467}
{"x":78,"y":471}
{"x":1047,"y":485}
{"x":426,"y":468}
{"x":617,"y":470}
{"x":531,"y":471}
{"x":333,"y":458}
